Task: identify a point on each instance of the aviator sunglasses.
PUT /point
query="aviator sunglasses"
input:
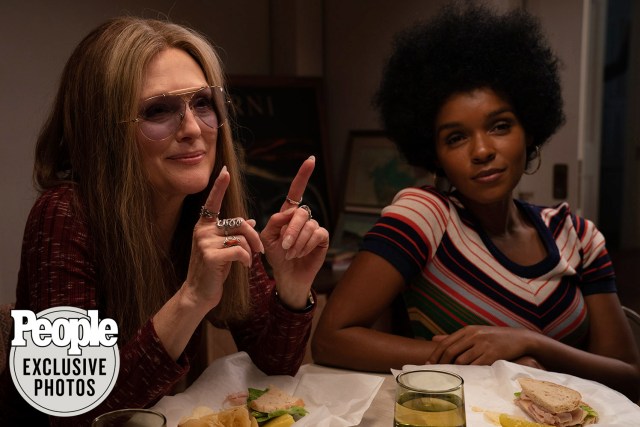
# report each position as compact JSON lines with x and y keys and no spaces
{"x":161,"y":115}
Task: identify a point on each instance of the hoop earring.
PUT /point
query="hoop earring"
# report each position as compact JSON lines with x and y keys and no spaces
{"x":539,"y":157}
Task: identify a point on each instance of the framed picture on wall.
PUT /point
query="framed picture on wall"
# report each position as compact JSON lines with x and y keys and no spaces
{"x":280,"y":123}
{"x":375,"y":172}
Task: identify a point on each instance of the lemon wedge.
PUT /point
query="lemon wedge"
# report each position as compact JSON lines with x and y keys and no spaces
{"x":509,"y":421}
{"x":282,"y":421}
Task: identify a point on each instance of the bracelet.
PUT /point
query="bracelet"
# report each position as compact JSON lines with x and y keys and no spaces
{"x":310,"y":303}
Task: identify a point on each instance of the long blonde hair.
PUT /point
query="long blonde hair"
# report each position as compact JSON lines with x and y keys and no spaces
{"x":83,"y":142}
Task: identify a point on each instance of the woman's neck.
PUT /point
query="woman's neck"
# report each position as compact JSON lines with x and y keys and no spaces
{"x":511,"y":231}
{"x":498,"y":220}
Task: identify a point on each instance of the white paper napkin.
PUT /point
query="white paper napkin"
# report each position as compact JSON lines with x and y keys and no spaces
{"x":492,"y":388}
{"x":332,"y":399}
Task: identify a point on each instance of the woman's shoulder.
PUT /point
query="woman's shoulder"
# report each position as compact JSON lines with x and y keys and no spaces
{"x":56,"y":216}
{"x":64,"y":192}
{"x":423,"y":193}
{"x":422,"y":206}
{"x":421,"y":198}
{"x":561,"y":208}
{"x":557,"y":211}
{"x":559,"y":216}
{"x":57,"y":201}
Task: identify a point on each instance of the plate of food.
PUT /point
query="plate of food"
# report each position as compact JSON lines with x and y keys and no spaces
{"x":232,"y":391}
{"x":271,"y":407}
{"x":506,"y":394}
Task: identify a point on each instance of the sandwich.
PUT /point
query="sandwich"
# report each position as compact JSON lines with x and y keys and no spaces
{"x":272,"y":403}
{"x":553,"y":404}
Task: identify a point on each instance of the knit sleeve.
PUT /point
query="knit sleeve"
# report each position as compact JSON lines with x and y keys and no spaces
{"x":274,"y":336}
{"x":57,"y":269}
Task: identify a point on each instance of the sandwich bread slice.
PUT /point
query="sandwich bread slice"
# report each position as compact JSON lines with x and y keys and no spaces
{"x":554,"y":404}
{"x":275,"y":399}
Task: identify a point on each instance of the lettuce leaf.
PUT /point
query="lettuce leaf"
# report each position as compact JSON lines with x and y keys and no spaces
{"x":295,"y":411}
{"x":589,"y":410}
{"x":255,"y":393}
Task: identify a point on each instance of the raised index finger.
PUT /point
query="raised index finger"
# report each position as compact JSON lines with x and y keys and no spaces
{"x":214,"y":200}
{"x":299,"y":183}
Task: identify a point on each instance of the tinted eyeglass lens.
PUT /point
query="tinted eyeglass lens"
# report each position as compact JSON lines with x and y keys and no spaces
{"x":220,"y":104}
{"x":161,"y":116}
{"x":203,"y":106}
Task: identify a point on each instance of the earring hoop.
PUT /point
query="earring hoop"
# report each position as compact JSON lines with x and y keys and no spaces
{"x":539,"y":157}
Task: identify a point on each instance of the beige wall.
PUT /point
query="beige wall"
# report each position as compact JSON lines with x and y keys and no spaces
{"x":562,"y":21}
{"x":357,"y":42}
{"x":345,"y":41}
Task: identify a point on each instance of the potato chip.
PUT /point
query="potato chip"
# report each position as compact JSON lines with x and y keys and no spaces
{"x":202,"y":416}
{"x":237,"y":416}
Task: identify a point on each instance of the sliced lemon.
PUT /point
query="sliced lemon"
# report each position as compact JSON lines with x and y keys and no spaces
{"x":507,"y":420}
{"x":282,"y":421}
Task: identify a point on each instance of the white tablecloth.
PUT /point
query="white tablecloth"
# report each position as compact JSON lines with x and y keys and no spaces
{"x":336,"y":397}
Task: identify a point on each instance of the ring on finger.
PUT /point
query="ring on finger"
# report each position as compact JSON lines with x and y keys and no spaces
{"x":206,"y":213}
{"x":230,"y":241}
{"x":308,"y":209}
{"x":293,"y":202}
{"x":229,"y":222}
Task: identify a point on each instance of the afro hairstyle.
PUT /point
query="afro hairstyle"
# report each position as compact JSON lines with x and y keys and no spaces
{"x":466,"y":47}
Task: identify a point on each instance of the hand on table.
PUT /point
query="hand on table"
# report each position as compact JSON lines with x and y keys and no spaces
{"x":482,"y":345}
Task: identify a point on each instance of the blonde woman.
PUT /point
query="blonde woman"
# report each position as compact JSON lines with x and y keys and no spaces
{"x":142,"y":216}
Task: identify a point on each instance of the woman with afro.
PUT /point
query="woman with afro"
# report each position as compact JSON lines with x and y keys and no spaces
{"x":473,"y":96}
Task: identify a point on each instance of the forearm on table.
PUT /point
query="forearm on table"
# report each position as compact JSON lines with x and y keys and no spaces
{"x":366,"y":349}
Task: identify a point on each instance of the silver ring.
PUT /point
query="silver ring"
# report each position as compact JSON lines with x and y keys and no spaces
{"x":293,"y":202}
{"x":229,"y":222}
{"x":308,"y":209}
{"x":206,"y":213}
{"x":230,"y":241}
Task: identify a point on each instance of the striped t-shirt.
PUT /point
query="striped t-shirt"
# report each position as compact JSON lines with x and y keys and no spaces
{"x":456,"y":276}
